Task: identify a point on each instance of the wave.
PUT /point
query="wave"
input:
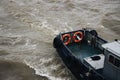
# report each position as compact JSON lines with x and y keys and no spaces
{"x":51,"y":67}
{"x":10,"y":70}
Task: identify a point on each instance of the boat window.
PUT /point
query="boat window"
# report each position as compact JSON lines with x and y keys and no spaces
{"x":111,"y":59}
{"x":117,"y":62}
{"x":114,"y":61}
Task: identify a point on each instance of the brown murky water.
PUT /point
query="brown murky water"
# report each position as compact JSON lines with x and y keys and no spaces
{"x":14,"y":70}
{"x":28,"y":27}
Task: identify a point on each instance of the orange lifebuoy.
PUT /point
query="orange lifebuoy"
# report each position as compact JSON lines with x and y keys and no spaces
{"x":77,"y":36}
{"x":66,"y":36}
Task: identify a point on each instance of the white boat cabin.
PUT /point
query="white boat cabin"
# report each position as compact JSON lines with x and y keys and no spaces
{"x":112,"y":60}
{"x":109,"y":61}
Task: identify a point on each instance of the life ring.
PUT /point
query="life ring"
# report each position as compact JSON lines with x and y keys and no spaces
{"x":66,"y":39}
{"x":77,"y":36}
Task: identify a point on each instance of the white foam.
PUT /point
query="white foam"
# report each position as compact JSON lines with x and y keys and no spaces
{"x":42,"y":70}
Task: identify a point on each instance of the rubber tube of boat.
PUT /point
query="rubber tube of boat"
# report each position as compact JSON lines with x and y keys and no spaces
{"x":57,"y":42}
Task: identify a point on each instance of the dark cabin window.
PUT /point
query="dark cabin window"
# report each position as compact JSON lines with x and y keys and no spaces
{"x":114,"y":61}
{"x":111,"y":59}
{"x":117,"y":62}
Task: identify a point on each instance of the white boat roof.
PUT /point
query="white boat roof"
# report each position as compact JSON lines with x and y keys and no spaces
{"x":96,"y":64}
{"x":113,"y":47}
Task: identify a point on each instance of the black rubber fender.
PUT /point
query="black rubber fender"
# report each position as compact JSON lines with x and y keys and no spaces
{"x":57,"y":42}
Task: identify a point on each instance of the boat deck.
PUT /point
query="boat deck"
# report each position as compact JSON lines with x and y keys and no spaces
{"x":83,"y":50}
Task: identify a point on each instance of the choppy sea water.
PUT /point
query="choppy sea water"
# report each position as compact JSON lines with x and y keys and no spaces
{"x":28,"y":27}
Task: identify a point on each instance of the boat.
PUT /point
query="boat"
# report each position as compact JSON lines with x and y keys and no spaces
{"x":88,"y":56}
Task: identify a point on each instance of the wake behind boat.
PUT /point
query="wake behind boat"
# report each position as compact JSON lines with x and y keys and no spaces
{"x":88,"y":56}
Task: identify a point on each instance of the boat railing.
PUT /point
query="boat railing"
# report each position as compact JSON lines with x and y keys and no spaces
{"x":100,"y":40}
